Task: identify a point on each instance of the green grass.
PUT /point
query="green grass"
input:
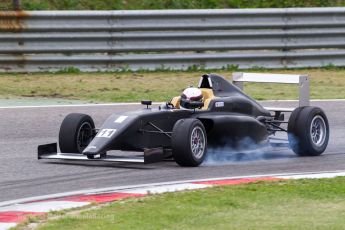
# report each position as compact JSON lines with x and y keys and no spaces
{"x":166,"y":4}
{"x":299,"y":204}
{"x":156,"y":86}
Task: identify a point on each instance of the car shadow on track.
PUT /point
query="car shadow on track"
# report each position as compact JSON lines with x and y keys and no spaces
{"x":102,"y":164}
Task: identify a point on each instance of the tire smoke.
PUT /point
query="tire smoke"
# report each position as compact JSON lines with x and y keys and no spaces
{"x":244,"y":150}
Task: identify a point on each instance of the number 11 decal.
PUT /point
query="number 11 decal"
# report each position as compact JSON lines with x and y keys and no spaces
{"x":107,"y":133}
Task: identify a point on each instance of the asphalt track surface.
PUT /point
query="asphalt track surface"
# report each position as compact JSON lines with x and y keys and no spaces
{"x":22,"y":175}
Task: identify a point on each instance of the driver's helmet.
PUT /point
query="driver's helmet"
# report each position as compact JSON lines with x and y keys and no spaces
{"x":191,"y":94}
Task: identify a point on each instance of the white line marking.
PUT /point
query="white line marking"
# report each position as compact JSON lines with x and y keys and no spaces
{"x":313,"y":176}
{"x":5,"y":226}
{"x":315,"y":100}
{"x":75,"y":105}
{"x":166,"y":188}
{"x":69,"y":105}
{"x":135,"y":103}
{"x":44,"y":206}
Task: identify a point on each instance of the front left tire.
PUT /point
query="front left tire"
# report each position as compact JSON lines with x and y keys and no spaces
{"x":189,"y":142}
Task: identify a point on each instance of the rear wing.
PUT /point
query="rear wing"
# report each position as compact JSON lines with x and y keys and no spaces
{"x":238,"y":78}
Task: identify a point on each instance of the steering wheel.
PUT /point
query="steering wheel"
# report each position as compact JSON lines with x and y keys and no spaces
{"x":169,"y":105}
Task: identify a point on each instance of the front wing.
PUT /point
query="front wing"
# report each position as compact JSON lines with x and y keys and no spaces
{"x":49,"y":151}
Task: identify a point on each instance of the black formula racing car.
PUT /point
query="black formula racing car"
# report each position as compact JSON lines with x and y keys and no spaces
{"x":216,"y":113}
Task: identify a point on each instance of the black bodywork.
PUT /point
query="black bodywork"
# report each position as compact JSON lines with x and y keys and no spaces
{"x":234,"y":119}
{"x":230,"y":116}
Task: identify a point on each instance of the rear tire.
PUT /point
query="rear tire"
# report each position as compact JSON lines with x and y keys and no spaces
{"x":189,"y":142}
{"x":308,"y":131}
{"x":76,"y":132}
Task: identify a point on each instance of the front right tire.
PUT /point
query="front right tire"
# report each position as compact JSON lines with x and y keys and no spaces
{"x":189,"y":142}
{"x":76,"y":132}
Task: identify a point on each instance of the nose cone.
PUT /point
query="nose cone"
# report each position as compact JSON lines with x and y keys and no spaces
{"x":109,"y":134}
{"x":101,"y":142}
{"x":91,"y":150}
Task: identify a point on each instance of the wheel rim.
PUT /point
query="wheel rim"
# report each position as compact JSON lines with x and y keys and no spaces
{"x":197,"y":141}
{"x":84,"y":137}
{"x":318,"y":130}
